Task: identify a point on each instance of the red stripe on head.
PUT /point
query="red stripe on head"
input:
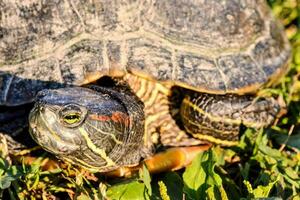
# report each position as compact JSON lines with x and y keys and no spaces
{"x":100,"y":117}
{"x":120,"y":117}
{"x":116,"y":117}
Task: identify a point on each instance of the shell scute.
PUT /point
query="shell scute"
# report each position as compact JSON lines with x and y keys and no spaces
{"x":150,"y":58}
{"x":240,"y":71}
{"x":209,"y":24}
{"x":199,"y":72}
{"x":271,"y":52}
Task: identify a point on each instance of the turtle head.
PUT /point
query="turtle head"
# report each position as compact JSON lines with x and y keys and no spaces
{"x":98,"y":129}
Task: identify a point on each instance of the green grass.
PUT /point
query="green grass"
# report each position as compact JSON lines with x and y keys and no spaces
{"x":265,"y":163}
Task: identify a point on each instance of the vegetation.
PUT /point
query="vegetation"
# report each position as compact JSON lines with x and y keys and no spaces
{"x":265,"y":164}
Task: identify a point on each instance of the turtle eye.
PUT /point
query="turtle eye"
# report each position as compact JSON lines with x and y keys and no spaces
{"x":72,"y":115}
{"x":72,"y":118}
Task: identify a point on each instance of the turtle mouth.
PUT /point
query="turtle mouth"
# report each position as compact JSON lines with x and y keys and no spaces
{"x":44,"y":135}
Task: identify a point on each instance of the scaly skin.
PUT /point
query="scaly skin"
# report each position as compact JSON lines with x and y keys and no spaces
{"x":108,"y":132}
{"x":219,"y":118}
{"x":107,"y":138}
{"x":109,"y":135}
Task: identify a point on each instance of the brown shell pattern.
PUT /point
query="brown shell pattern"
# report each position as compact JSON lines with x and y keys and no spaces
{"x":230,"y":46}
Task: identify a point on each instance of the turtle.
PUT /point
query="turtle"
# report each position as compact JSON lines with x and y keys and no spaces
{"x":216,"y":55}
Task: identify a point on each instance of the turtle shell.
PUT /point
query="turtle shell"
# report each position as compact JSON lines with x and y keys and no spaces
{"x":213,"y":46}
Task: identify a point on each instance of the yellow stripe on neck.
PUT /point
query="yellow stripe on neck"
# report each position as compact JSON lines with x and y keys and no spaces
{"x":95,"y":149}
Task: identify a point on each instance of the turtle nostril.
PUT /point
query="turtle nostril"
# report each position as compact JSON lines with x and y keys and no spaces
{"x":41,"y":108}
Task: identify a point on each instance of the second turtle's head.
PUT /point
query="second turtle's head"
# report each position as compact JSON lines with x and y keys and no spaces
{"x":98,"y":129}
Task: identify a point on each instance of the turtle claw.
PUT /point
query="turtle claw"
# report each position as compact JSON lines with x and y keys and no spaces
{"x":170,"y":160}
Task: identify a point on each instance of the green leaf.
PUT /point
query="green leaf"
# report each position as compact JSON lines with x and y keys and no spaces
{"x":264,"y":191}
{"x":174,"y":184}
{"x":200,"y":179}
{"x":130,"y":190}
{"x":5,"y":181}
{"x":245,"y":171}
{"x":291,"y":141}
{"x":146,"y":179}
{"x":246,"y":141}
{"x":194,"y":178}
{"x":274,"y":153}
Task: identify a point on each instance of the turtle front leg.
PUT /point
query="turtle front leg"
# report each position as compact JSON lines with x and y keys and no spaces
{"x":169,"y":160}
{"x":219,"y":118}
